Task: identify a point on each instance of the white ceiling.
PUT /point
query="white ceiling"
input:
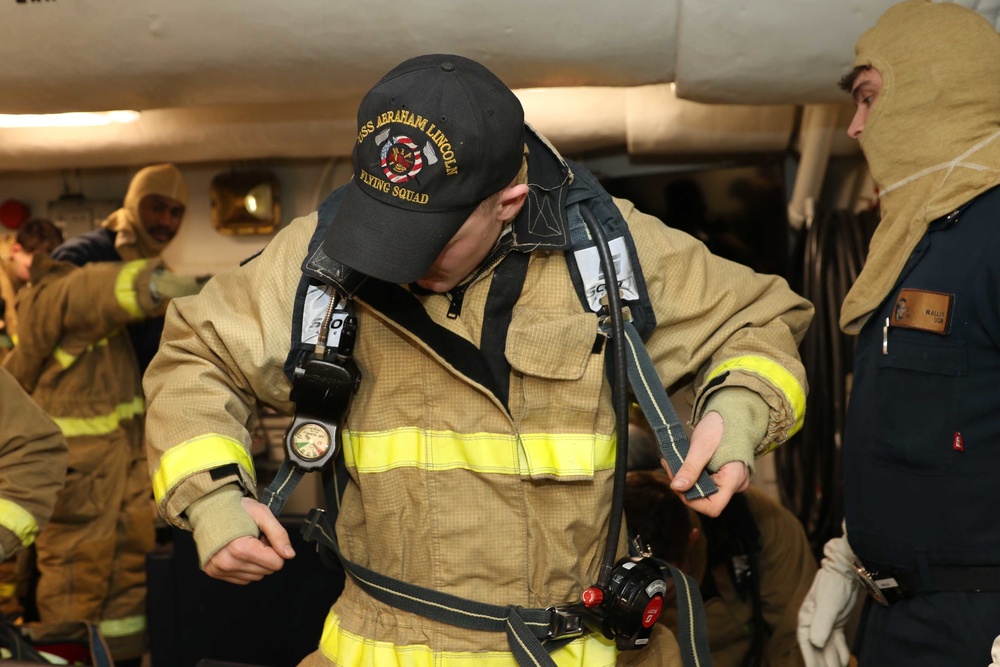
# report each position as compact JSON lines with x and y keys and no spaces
{"x":235,"y":79}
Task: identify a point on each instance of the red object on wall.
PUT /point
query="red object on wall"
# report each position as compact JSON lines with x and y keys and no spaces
{"x":13,"y":213}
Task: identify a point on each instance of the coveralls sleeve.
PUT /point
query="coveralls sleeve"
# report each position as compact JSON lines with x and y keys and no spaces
{"x":720,"y":324}
{"x":69,"y":309}
{"x":221,"y":353}
{"x":33,"y":462}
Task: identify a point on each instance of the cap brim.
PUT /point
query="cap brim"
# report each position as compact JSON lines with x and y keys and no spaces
{"x":389,"y":243}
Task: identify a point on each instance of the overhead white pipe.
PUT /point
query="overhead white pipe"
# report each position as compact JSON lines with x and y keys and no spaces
{"x":819,"y":124}
{"x":646,"y":120}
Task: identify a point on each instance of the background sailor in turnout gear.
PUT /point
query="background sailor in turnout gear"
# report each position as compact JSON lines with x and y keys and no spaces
{"x":753,"y":564}
{"x":142,"y":228}
{"x":32,"y":467}
{"x":78,"y":364}
{"x":922,"y":441}
{"x":34,"y":235}
{"x":480,"y":443}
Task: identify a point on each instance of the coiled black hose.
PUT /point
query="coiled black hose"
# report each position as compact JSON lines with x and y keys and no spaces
{"x":831,"y":252}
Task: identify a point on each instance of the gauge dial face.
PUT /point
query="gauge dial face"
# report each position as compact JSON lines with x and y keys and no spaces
{"x":311,"y":441}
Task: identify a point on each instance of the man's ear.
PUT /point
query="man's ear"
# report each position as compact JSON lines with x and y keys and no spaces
{"x":511,"y":201}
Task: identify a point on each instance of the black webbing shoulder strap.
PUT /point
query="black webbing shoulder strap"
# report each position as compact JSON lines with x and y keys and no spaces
{"x":585,"y":271}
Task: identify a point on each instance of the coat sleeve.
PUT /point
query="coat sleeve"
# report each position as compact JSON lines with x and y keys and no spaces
{"x":720,"y":324}
{"x":222,"y":351}
{"x":32,"y":466}
{"x":67,"y":310}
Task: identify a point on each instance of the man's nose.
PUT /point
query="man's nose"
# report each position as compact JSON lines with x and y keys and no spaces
{"x":857,"y":123}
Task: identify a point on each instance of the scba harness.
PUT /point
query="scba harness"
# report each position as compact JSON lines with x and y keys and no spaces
{"x":627,"y":599}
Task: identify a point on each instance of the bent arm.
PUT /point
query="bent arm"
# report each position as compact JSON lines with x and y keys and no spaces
{"x":222,"y":352}
{"x":721,"y":325}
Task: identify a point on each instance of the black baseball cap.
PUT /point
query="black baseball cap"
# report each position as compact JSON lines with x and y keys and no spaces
{"x":436,"y":136}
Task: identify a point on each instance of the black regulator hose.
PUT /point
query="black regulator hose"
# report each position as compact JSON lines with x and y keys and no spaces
{"x":619,"y":394}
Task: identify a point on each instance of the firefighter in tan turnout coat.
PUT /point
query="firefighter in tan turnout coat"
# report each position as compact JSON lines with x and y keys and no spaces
{"x":481,"y":443}
{"x":77,"y":362}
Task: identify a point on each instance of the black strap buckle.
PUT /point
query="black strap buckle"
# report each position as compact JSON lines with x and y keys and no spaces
{"x":564,"y":622}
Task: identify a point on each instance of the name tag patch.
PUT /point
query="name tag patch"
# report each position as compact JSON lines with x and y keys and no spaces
{"x":923,"y":310}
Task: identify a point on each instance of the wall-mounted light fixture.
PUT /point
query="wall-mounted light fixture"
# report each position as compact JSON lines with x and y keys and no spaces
{"x":245,"y":202}
{"x":72,"y":119}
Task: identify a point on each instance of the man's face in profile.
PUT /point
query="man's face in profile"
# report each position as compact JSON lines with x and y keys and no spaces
{"x":161,"y":216}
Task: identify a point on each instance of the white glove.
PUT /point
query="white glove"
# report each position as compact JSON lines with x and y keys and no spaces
{"x":996,"y":653}
{"x":827,"y":607}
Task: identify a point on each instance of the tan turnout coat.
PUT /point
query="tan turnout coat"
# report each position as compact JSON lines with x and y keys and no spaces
{"x":449,"y":489}
{"x":75,"y":358}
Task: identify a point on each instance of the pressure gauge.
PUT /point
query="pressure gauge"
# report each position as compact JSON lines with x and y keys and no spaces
{"x":310,"y":441}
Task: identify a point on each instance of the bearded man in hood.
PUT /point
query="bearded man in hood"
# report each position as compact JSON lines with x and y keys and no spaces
{"x":922,"y":441}
{"x":142,"y":228}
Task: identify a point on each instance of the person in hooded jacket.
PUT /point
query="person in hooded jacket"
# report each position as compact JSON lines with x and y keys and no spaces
{"x":922,"y":441}
{"x":142,"y":228}
{"x":78,"y":364}
{"x":480,"y":444}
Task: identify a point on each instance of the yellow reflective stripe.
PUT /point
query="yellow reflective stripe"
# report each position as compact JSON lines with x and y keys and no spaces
{"x":125,"y":292}
{"x":345,"y":648}
{"x":202,"y":453}
{"x":774,"y":373}
{"x":18,"y":520}
{"x":556,"y":454}
{"x":65,"y":359}
{"x":75,"y":427}
{"x":122,"y":627}
{"x":8,"y":591}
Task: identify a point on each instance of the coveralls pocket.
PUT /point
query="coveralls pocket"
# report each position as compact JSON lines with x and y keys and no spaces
{"x":918,"y":398}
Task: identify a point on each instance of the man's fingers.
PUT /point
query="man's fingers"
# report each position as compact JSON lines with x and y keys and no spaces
{"x":246,"y":558}
{"x":243,"y":560}
{"x":734,"y":475}
{"x":705,"y":440}
{"x":731,"y":479}
{"x":272,"y":532}
{"x":712,"y":505}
